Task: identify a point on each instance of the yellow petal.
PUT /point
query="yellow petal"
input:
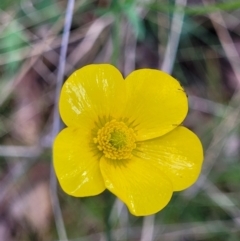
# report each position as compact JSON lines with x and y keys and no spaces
{"x":76,"y":163}
{"x":156,"y":103}
{"x":141,"y":186}
{"x":91,"y":92}
{"x":178,"y":154}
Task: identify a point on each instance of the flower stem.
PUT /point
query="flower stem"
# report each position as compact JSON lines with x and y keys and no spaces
{"x":108,"y":200}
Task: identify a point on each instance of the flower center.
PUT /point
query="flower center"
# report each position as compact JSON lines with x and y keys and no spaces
{"x":116,"y":140}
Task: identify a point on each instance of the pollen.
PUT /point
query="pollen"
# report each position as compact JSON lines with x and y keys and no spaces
{"x":116,"y":140}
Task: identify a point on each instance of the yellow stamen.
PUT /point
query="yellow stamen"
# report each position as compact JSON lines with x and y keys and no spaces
{"x":116,"y":140}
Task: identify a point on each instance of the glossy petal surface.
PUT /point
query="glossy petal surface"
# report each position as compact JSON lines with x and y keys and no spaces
{"x":141,"y":186}
{"x":156,"y":103}
{"x":76,"y":163}
{"x":178,"y":154}
{"x":91,"y":92}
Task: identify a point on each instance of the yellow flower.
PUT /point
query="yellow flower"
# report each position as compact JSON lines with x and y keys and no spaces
{"x":125,"y":136}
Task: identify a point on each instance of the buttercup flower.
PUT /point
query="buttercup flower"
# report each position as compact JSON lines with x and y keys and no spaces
{"x":125,"y":136}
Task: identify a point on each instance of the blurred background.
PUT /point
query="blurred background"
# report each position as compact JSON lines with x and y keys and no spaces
{"x":43,"y":41}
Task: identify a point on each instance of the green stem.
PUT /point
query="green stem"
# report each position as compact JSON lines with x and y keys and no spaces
{"x":107,"y":209}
